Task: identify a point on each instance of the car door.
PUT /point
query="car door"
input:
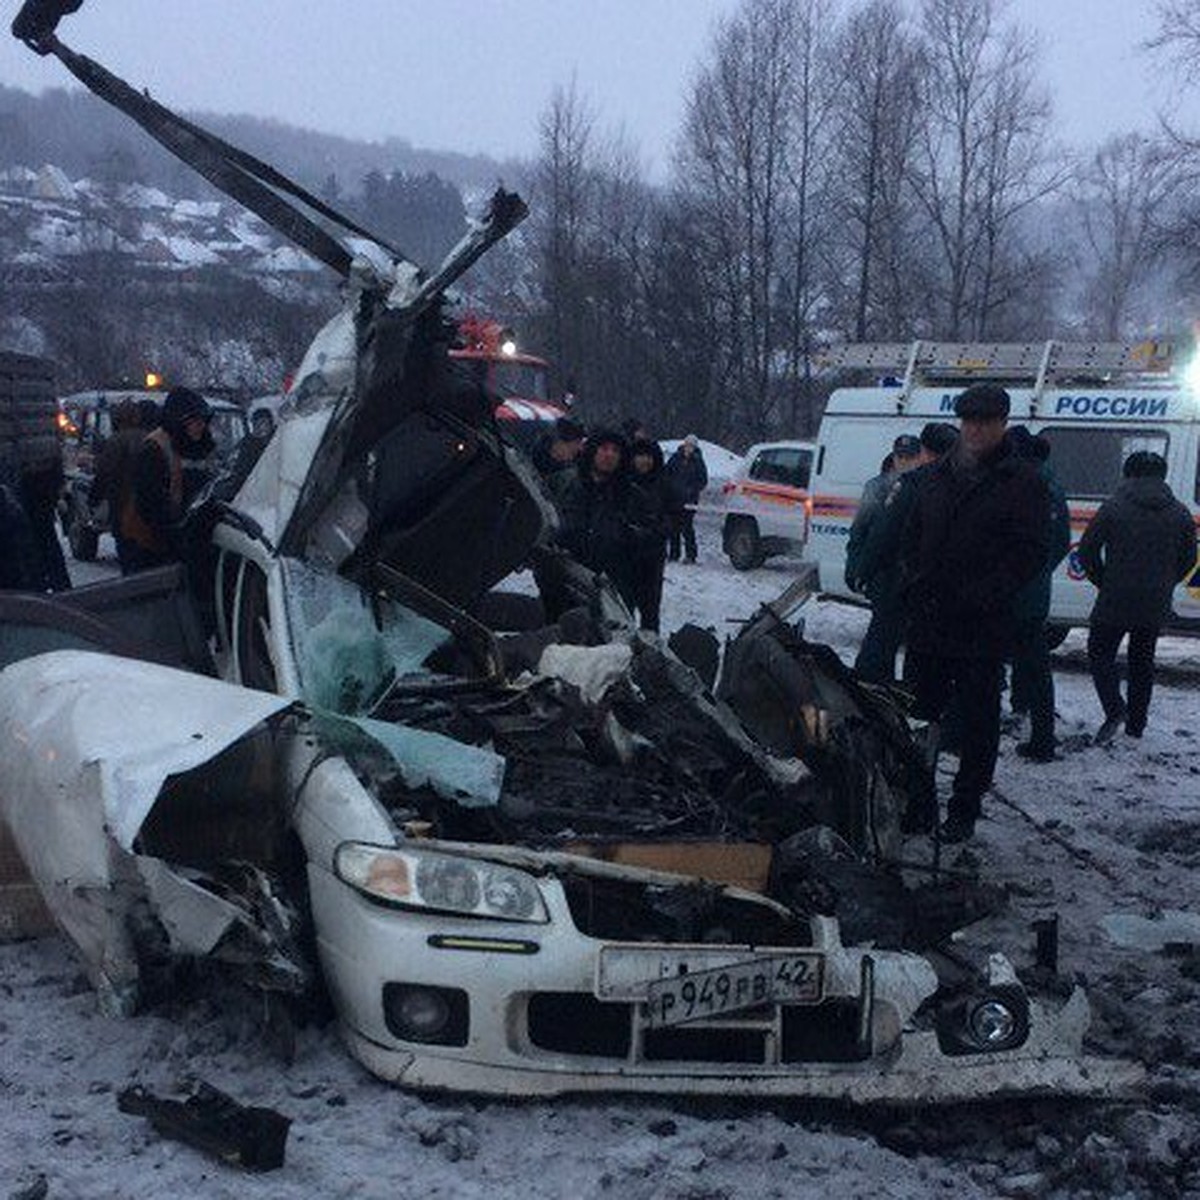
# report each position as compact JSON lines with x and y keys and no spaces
{"x":148,"y":616}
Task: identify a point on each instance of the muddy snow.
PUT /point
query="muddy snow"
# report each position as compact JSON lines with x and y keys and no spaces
{"x":1107,"y":837}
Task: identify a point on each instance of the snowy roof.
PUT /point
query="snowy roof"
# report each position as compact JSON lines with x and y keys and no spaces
{"x":190,"y":252}
{"x":53,"y":184}
{"x":288,"y":258}
{"x":197,"y":208}
{"x":56,"y":235}
{"x":20,"y":176}
{"x":141,"y":196}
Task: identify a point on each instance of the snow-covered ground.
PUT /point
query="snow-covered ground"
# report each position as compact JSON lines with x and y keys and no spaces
{"x":1105,"y":830}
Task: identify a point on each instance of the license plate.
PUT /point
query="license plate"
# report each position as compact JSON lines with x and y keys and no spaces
{"x":705,"y":995}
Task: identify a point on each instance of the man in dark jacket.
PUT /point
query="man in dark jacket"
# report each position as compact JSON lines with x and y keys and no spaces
{"x":870,"y":505}
{"x":1139,"y":545}
{"x":649,"y":525}
{"x":877,"y":566}
{"x":152,"y":512}
{"x":20,"y":569}
{"x":1032,"y":678}
{"x":560,"y":449}
{"x":113,"y":480}
{"x":876,"y":661}
{"x":687,"y":477}
{"x":594,"y":503}
{"x":978,"y":532}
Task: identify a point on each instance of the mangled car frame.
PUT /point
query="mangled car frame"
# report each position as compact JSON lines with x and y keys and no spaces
{"x":523,"y":849}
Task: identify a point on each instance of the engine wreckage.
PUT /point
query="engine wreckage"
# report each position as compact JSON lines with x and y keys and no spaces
{"x":523,"y":849}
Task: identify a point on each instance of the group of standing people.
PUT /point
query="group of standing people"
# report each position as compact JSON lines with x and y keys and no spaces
{"x":955,"y":544}
{"x":139,"y":473}
{"x":623,"y":510}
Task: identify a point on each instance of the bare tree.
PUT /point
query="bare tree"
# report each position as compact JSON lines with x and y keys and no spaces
{"x":733,"y":164}
{"x":982,"y":152}
{"x":879,"y":104}
{"x":1178,"y":40}
{"x":815,"y":95}
{"x":1178,"y":33}
{"x":563,"y":185}
{"x":1123,"y":198}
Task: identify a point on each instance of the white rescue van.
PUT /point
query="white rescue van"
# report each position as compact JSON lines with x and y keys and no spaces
{"x":1095,"y":403}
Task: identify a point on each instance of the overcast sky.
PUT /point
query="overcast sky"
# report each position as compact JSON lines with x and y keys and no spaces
{"x":473,"y":75}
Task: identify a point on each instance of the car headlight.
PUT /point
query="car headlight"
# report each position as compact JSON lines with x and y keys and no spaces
{"x":441,"y":882}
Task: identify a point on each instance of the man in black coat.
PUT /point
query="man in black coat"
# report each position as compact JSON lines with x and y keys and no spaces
{"x":1139,"y":545}
{"x":560,"y":449}
{"x":876,"y":661}
{"x":649,"y":525}
{"x":594,"y":505}
{"x":877,"y":568}
{"x":19,"y":564}
{"x":977,"y":533}
{"x":687,"y":477}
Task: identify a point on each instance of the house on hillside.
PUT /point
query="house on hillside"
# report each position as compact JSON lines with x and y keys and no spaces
{"x":17,"y":181}
{"x":52,"y":184}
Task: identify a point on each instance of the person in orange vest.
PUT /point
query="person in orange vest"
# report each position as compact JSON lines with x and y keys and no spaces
{"x":154,"y":505}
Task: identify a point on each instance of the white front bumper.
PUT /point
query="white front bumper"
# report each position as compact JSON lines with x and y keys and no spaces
{"x":364,"y":946}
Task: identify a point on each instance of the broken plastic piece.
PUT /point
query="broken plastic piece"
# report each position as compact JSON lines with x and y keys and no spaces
{"x":253,"y":1138}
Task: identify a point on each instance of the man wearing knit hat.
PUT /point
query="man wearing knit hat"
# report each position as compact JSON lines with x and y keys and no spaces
{"x":154,"y":506}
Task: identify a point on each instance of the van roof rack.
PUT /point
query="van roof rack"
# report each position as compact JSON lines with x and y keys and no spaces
{"x":1040,"y":363}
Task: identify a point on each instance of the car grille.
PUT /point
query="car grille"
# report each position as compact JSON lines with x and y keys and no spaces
{"x":632,"y":911}
{"x":576,"y":1023}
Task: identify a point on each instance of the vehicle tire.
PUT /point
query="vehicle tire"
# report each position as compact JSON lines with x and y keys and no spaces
{"x":83,"y":540}
{"x":1056,"y":635}
{"x":742,"y":545}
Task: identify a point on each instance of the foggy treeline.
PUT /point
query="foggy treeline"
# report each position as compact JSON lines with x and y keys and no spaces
{"x":872,"y":172}
{"x":80,"y":134}
{"x":869,"y":170}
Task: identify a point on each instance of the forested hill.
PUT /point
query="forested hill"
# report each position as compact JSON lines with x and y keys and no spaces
{"x":85,"y":137}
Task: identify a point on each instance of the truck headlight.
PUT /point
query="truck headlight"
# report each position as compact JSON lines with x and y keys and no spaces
{"x":432,"y":880}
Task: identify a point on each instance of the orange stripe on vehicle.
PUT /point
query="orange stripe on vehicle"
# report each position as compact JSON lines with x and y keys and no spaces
{"x":774,"y":493}
{"x":831,"y":506}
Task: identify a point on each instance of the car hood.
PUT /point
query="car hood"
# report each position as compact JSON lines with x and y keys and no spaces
{"x":94,"y":744}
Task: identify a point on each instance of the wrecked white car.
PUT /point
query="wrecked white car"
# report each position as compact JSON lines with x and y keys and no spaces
{"x":521,"y":848}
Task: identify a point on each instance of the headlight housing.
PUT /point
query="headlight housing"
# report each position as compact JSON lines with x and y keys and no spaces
{"x":448,"y":883}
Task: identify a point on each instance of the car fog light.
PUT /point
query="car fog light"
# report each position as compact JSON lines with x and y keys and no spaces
{"x":992,"y":1023}
{"x":423,"y":1011}
{"x":417,"y":1013}
{"x":984,"y":1022}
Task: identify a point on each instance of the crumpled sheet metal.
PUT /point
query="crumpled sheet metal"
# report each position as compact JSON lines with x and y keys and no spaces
{"x":87,"y":742}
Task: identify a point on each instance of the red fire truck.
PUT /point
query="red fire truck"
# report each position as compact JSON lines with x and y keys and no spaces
{"x":519,"y":381}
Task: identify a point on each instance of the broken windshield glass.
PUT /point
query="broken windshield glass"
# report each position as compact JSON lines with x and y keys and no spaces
{"x":352,"y":647}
